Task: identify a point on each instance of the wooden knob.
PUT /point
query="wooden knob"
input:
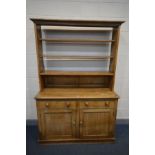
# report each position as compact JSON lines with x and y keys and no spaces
{"x":107,"y":104}
{"x":73,"y":122}
{"x":86,"y":103}
{"x":47,"y":105}
{"x":81,"y":122}
{"x":68,"y":104}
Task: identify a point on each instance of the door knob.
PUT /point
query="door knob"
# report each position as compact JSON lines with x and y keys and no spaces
{"x":68,"y":104}
{"x":107,"y":104}
{"x":86,"y":103}
{"x":73,"y":122}
{"x":47,"y":105}
{"x":81,"y":122}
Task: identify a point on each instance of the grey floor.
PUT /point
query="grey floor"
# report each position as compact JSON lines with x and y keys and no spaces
{"x":120,"y":147}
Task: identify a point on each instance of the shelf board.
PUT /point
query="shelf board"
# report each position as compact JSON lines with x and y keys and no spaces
{"x":72,"y":93}
{"x":76,"y":58}
{"x":76,"y":73}
{"x":75,"y":29}
{"x":81,"y":41}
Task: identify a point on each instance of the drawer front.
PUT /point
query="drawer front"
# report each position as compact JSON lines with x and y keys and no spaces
{"x":98,"y":104}
{"x":56,"y":105}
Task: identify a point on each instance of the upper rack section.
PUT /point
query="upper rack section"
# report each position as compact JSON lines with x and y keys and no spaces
{"x":75,"y":35}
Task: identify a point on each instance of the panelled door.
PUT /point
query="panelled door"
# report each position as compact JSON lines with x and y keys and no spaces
{"x":96,"y":121}
{"x":58,"y":122}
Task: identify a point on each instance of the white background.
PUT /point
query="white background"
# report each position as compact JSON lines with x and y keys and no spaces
{"x":79,"y":9}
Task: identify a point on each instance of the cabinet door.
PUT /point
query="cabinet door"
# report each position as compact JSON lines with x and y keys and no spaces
{"x":57,"y":123}
{"x":96,"y":123}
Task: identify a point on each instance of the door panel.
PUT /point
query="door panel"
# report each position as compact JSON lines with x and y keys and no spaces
{"x":57,"y":119}
{"x":59,"y":124}
{"x":96,"y":123}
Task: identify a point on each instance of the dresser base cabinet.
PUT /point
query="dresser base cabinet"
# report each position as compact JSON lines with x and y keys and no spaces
{"x":76,"y":120}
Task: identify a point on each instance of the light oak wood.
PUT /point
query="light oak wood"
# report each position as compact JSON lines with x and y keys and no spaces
{"x":76,"y":58}
{"x":49,"y":104}
{"x":97,"y":119}
{"x":98,"y":104}
{"x":57,"y":122}
{"x":77,"y":41}
{"x":39,"y":50}
{"x":96,"y":123}
{"x":79,"y":140}
{"x":76,"y":93}
{"x":81,"y":73}
{"x":76,"y":106}
{"x":114,"y":52}
{"x":74,"y":81}
{"x":64,"y":120}
{"x":77,"y":23}
{"x":75,"y":29}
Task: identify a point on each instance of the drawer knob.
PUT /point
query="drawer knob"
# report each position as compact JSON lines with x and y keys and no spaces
{"x":73,"y":123}
{"x":86,"y":104}
{"x":81,"y":122}
{"x":47,"y":105}
{"x":107,"y":104}
{"x":68,"y":104}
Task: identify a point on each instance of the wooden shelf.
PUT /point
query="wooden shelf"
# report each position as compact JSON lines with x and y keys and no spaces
{"x":72,"y":93}
{"x":76,"y":58}
{"x":75,"y":73}
{"x":81,"y":41}
{"x":75,"y":29}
